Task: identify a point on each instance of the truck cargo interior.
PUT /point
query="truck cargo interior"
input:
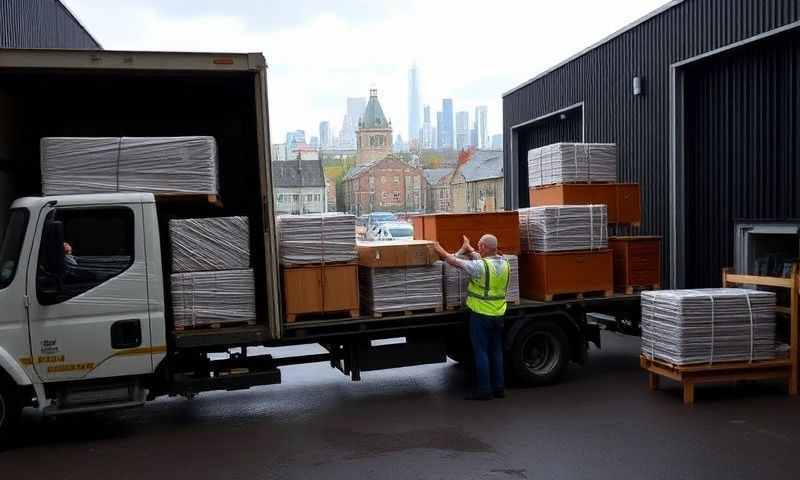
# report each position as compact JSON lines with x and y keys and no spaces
{"x":46,"y":103}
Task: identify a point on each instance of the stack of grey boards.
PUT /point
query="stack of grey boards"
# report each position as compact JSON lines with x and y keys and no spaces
{"x":401,"y":289}
{"x":200,"y":244}
{"x":456,"y":280}
{"x":317,"y":238}
{"x":211,"y":282}
{"x":75,"y":165}
{"x":558,"y":228}
{"x":684,"y":327}
{"x":572,"y":162}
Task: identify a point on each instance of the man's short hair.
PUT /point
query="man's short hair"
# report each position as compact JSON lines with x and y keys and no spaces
{"x":490,"y":241}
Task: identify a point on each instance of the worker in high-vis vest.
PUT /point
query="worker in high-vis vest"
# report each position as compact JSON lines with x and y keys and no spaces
{"x":488,"y":274}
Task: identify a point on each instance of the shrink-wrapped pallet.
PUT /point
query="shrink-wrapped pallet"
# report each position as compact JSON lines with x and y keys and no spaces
{"x":401,"y":289}
{"x":199,"y":244}
{"x":75,"y":165}
{"x":572,"y":162}
{"x":563,"y":227}
{"x":206,"y":298}
{"x":456,"y":280}
{"x":317,"y":238}
{"x":683,"y":327}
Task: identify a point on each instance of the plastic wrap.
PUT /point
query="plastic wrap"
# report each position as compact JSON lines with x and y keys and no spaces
{"x":317,"y":238}
{"x":684,"y":327}
{"x":456,"y":280}
{"x":399,"y":289}
{"x":204,"y":298}
{"x":572,"y":162}
{"x":563,"y":227}
{"x":75,"y":165}
{"x":200,"y":244}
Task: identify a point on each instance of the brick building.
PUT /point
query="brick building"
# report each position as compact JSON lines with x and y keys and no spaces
{"x":388,"y":184}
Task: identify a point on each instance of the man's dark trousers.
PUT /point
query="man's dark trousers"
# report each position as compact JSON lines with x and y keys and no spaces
{"x":486,"y":334}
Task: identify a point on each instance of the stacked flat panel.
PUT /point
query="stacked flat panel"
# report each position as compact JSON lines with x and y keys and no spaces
{"x":685,"y":327}
{"x":572,"y":162}
{"x":563,"y":227}
{"x":400,"y":289}
{"x":317,"y":238}
{"x":200,"y":244}
{"x":456,"y":280}
{"x":205,"y":298}
{"x":75,"y":165}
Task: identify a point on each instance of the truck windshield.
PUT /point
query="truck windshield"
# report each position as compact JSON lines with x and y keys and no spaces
{"x":12,"y":244}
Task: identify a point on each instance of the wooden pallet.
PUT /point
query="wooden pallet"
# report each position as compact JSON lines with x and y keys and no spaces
{"x":318,"y":265}
{"x":183,"y":198}
{"x":215,"y":325}
{"x":578,"y":295}
{"x":631,"y":289}
{"x":724,"y":372}
{"x":402,"y":313}
{"x":307,"y":317}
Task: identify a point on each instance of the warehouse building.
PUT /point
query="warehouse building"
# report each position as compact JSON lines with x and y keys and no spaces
{"x":30,"y":24}
{"x":701,"y":97}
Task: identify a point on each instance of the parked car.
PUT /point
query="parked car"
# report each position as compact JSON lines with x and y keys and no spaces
{"x":378,"y":218}
{"x":390,"y":231}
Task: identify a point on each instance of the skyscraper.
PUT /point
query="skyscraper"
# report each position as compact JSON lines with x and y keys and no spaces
{"x":438,"y":130}
{"x":445,"y":127}
{"x":481,"y":114}
{"x":355,"y":108}
{"x":293,"y":139}
{"x":413,"y":105}
{"x":462,"y":130}
{"x":325,"y":137}
{"x":427,"y":129}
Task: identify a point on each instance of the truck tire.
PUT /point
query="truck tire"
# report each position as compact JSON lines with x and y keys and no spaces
{"x":10,"y":410}
{"x":540,"y":354}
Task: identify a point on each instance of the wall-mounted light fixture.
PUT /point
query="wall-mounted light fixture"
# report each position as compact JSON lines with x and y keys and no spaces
{"x":563,"y":116}
{"x":637,"y":85}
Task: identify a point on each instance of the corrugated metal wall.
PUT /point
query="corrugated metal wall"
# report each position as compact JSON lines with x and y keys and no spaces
{"x":41,"y":24}
{"x":639,"y":125}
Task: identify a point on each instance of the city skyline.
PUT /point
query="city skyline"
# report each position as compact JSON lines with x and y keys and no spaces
{"x":364,"y":47}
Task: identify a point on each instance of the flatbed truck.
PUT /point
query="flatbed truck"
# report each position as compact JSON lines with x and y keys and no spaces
{"x":109,"y":342}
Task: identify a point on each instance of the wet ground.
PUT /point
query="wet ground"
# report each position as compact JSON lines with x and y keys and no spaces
{"x":601,"y":422}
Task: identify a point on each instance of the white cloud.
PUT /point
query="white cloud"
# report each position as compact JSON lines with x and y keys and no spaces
{"x":468,"y":50}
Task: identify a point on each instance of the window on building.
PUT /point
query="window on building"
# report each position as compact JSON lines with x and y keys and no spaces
{"x":383,"y":179}
{"x":385,"y":197}
{"x":309,"y":197}
{"x":396,"y":179}
{"x":281,"y":199}
{"x":90,"y":259}
{"x":395,"y":196}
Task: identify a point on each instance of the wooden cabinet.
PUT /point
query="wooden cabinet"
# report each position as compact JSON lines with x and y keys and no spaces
{"x":623,"y":199}
{"x":318,"y":289}
{"x":637,"y":262}
{"x":544,"y":275}
{"x":447,"y":229}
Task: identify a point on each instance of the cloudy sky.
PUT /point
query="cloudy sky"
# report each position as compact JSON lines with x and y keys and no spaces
{"x":320,"y":51}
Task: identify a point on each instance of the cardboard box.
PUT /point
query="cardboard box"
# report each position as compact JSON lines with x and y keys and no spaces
{"x":623,"y":199}
{"x":447,"y":229}
{"x":396,"y":253}
{"x":543,"y":275}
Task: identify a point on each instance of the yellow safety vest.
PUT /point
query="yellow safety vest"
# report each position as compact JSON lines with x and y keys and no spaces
{"x":489,"y":296}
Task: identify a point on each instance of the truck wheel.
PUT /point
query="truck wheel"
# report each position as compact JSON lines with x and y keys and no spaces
{"x":540,"y":354}
{"x":9,"y":412}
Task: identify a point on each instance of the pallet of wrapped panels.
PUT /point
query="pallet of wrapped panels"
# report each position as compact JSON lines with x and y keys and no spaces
{"x":448,"y":228}
{"x":542,"y":276}
{"x":637,"y":263}
{"x":623,"y":199}
{"x":314,"y":291}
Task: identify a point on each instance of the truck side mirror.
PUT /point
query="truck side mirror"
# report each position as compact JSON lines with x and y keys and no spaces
{"x":53,"y":247}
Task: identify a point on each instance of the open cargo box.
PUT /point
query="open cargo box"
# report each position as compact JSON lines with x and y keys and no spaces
{"x":102,"y":93}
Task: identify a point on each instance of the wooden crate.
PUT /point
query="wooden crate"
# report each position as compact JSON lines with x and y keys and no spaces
{"x":637,"y":263}
{"x":623,"y":199}
{"x":544,"y":275}
{"x":447,"y":229}
{"x":319,"y":289}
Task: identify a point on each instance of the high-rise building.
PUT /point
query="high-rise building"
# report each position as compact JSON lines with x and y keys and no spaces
{"x":497,"y":142}
{"x":438,"y":136}
{"x":473,"y":137}
{"x":427,"y":128}
{"x":481,"y":114}
{"x":462,"y":130}
{"x":413,"y":105}
{"x":325,"y":137}
{"x":314,"y":141}
{"x":293,"y":140}
{"x":445,"y":128}
{"x":355,"y":109}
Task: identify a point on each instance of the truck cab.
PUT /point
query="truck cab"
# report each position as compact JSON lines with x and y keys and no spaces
{"x":82,"y":293}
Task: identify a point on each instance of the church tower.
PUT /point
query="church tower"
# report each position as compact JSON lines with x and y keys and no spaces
{"x":374,"y":134}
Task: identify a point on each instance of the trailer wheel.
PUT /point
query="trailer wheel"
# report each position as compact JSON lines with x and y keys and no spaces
{"x":9,"y":411}
{"x":540,"y":354}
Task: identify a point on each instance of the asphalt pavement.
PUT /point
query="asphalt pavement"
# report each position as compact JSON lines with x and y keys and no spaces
{"x":601,"y":422}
